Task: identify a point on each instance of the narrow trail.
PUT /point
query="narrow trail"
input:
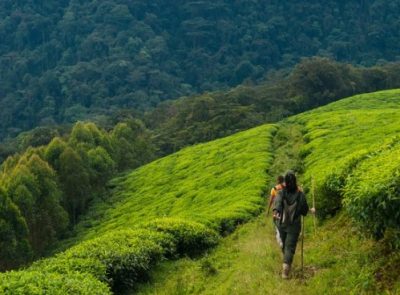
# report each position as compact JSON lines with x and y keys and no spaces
{"x":248,"y":261}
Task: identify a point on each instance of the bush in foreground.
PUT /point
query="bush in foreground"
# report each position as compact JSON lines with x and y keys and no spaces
{"x":42,"y":282}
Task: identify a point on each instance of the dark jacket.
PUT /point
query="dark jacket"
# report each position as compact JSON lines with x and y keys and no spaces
{"x":301,"y":208}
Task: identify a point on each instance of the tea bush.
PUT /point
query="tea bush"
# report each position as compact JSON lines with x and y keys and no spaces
{"x":213,"y":183}
{"x":372,"y":192}
{"x":42,"y":282}
{"x":352,"y":152}
{"x":189,"y":237}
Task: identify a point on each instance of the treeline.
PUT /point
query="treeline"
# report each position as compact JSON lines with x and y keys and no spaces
{"x":45,"y":190}
{"x":177,"y":123}
{"x":313,"y":82}
{"x":62,"y":61}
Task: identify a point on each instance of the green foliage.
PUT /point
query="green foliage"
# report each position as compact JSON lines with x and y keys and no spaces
{"x":336,"y":261}
{"x":71,"y":60}
{"x":189,"y":237}
{"x":126,"y":154}
{"x":313,"y":82}
{"x":41,"y":282}
{"x":127,"y":254}
{"x":188,"y":195}
{"x":123,"y":257}
{"x":32,"y":185}
{"x":74,"y":178}
{"x":64,"y":265}
{"x":352,"y":152}
{"x":215,"y":184}
{"x":15,"y":248}
{"x":47,"y":182}
{"x":372,"y":192}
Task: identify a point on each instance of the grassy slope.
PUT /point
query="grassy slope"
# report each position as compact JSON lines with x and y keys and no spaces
{"x":209,"y":183}
{"x":334,"y":132}
{"x":218,"y":184}
{"x":337,"y":260}
{"x":173,"y":206}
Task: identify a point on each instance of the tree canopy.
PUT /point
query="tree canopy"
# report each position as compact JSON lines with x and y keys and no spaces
{"x":63,"y":61}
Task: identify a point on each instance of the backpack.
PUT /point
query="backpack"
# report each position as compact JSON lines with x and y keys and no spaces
{"x":289,"y":210}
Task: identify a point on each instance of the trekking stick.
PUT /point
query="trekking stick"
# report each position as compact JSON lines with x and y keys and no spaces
{"x":302,"y":246}
{"x":313,"y":204}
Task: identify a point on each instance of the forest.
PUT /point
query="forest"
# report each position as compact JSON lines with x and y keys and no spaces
{"x":45,"y":190}
{"x":174,"y":124}
{"x":70,"y":60}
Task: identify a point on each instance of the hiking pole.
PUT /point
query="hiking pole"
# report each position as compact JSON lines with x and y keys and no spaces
{"x":302,"y":246}
{"x":313,"y":204}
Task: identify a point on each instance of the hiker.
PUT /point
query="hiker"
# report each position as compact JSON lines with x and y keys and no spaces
{"x":290,"y":204}
{"x":274,"y":192}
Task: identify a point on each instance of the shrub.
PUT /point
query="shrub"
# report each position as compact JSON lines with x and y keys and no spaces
{"x":63,"y":265}
{"x":42,"y":282}
{"x":372,"y":193}
{"x":126,"y":254}
{"x":190,"y":237}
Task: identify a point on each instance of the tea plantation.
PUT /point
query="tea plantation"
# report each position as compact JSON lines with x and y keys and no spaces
{"x":352,"y":153}
{"x":178,"y":205}
{"x":348,"y":153}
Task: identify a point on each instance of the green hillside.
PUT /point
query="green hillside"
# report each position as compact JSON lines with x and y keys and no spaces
{"x":350,"y":149}
{"x":217,"y":183}
{"x":174,"y":206}
{"x":352,"y":152}
{"x":182,"y":204}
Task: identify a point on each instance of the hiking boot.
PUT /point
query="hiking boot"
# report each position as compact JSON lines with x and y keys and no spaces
{"x":285,"y":271}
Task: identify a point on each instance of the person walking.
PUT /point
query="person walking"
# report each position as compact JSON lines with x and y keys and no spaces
{"x":280,"y":183}
{"x":290,"y":204}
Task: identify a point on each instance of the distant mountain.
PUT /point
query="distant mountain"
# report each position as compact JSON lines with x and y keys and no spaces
{"x":65,"y":60}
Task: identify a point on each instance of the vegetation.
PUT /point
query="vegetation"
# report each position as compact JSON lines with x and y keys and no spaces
{"x":40,"y":282}
{"x":45,"y":190}
{"x":186,"y":121}
{"x":358,"y":168}
{"x":116,"y":63}
{"x":249,"y":262}
{"x":190,"y":197}
{"x":313,"y":82}
{"x":217,"y":183}
{"x":338,"y":258}
{"x":69,"y":60}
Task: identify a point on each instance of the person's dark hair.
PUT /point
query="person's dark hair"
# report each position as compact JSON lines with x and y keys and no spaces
{"x":280,"y":179}
{"x":290,"y":182}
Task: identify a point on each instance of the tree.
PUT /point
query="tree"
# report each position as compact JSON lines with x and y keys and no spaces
{"x":33,"y":187}
{"x":53,"y":152}
{"x":318,"y":81}
{"x":14,"y":245}
{"x":74,"y":178}
{"x":102,"y":166}
{"x":131,"y":145}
